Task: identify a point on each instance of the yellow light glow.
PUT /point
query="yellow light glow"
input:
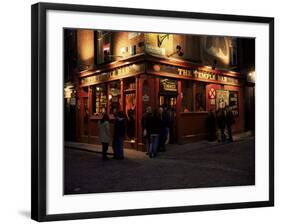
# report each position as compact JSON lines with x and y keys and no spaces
{"x":85,"y":40}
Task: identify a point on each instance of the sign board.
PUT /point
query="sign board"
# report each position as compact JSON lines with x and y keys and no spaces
{"x":154,"y":50}
{"x":234,"y":103}
{"x":212,"y":93}
{"x":124,"y":71}
{"x":196,"y":74}
{"x":145,"y":98}
{"x":222,"y":98}
{"x":168,"y":85}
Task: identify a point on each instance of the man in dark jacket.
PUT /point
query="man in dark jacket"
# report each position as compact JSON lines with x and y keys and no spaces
{"x":155,"y":129}
{"x":146,"y":123}
{"x":164,"y":128}
{"x":229,"y":120}
{"x":119,"y":134}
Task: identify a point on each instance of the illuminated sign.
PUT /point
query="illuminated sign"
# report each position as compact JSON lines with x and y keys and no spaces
{"x":192,"y":73}
{"x":168,"y":85}
{"x":222,"y":98}
{"x":158,"y":69}
{"x":204,"y":75}
{"x":125,"y":71}
{"x":228,"y":80}
{"x":233,"y":102}
{"x":170,"y":69}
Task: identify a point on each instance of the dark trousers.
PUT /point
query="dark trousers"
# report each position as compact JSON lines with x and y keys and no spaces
{"x":104,"y":150}
{"x":229,"y":131}
{"x":119,"y":147}
{"x":222,"y":135}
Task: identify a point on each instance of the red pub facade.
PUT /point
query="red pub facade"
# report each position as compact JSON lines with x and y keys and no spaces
{"x":138,"y":70}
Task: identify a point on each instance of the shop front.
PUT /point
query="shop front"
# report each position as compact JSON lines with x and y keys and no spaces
{"x":187,"y":90}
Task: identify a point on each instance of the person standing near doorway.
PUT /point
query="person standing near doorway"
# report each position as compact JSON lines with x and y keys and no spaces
{"x":164,"y":128}
{"x":104,"y":134}
{"x":131,"y":124}
{"x":119,"y":134}
{"x":155,"y":125}
{"x":229,"y":120}
{"x":146,"y":123}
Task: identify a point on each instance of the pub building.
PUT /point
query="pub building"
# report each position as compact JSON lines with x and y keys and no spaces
{"x":108,"y":71}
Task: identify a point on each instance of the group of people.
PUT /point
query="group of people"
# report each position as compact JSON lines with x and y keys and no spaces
{"x":119,"y":133}
{"x":223,"y":119}
{"x":157,"y":129}
{"x":156,"y":125}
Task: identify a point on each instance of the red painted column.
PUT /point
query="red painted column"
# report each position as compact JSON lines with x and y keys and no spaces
{"x":155,"y":91}
{"x":108,"y":102}
{"x":89,"y":111}
{"x":90,"y":100}
{"x":139,"y":111}
{"x":150,"y":88}
{"x":78,"y":115}
{"x":178,"y":110}
{"x":194,"y":96}
{"x":122,"y":94}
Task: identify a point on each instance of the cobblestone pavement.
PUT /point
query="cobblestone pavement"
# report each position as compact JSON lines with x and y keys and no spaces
{"x":201,"y":164}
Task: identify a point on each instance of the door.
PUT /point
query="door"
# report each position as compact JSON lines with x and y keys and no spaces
{"x":168,"y":102}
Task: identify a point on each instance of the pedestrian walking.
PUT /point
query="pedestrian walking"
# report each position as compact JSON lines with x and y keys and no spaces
{"x":211,"y":126}
{"x":155,"y":133}
{"x":119,"y":134}
{"x":230,"y":120}
{"x":104,"y":134}
{"x":221,"y":123}
{"x":146,"y":123}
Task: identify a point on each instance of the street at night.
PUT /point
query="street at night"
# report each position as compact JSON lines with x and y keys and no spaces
{"x":200,"y":164}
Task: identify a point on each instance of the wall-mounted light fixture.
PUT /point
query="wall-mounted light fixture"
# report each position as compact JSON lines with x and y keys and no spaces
{"x":251,"y":77}
{"x":178,"y":51}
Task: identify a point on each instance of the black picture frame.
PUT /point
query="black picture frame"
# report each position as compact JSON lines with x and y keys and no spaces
{"x":38,"y":109}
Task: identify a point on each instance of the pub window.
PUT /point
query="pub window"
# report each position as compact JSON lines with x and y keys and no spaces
{"x":99,"y":98}
{"x":187,"y":96}
{"x":130,"y":94}
{"x":114,"y":97}
{"x":200,"y":96}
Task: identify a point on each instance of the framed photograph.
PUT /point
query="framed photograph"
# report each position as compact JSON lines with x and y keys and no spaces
{"x":138,"y":111}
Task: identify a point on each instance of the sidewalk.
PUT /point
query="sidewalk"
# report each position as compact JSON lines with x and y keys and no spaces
{"x":188,"y":146}
{"x":193,"y":165}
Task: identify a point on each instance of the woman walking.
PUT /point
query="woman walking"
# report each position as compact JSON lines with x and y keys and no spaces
{"x":104,"y":134}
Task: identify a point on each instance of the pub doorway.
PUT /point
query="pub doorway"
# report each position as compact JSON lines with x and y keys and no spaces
{"x":168,"y":95}
{"x":168,"y":103}
{"x":130,"y":108}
